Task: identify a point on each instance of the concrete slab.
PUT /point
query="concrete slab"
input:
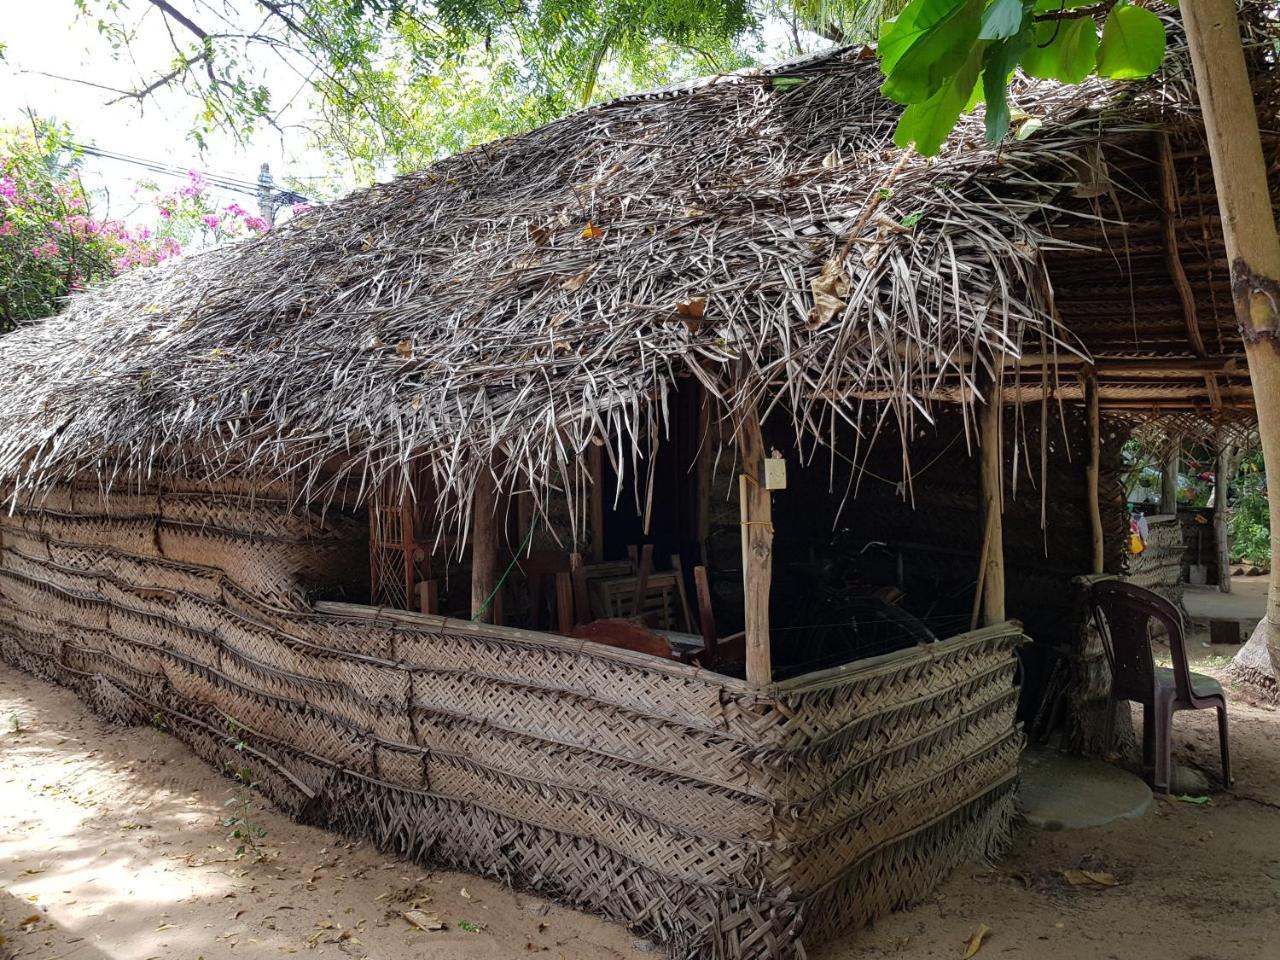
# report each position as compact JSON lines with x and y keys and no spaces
{"x":1247,"y":601}
{"x":1073,"y":793}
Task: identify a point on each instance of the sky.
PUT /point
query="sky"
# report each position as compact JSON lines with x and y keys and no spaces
{"x":44,"y":37}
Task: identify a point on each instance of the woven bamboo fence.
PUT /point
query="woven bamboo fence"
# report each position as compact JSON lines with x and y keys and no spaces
{"x":721,"y":819}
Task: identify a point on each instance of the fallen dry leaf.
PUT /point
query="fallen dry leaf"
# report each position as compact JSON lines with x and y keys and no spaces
{"x":577,"y":280}
{"x":975,"y":942}
{"x":591,"y":232}
{"x":1089,"y":878}
{"x":829,"y":290}
{"x":423,"y":921}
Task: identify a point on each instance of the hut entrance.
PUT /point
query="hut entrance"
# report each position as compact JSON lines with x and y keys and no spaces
{"x":655,"y":501}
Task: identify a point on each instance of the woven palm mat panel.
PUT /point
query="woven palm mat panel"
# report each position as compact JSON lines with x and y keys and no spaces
{"x":720,"y":819}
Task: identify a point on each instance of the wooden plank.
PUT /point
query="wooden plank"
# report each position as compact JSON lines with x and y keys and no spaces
{"x":706,"y":616}
{"x":1092,"y":470}
{"x":757,"y":548}
{"x":484,"y":549}
{"x":991,"y":436}
{"x":566,"y":616}
{"x":429,"y":596}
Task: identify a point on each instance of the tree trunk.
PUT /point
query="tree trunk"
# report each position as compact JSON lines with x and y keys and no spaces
{"x":1253,"y":249}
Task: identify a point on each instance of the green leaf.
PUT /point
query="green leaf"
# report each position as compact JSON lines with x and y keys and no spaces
{"x":999,"y":62}
{"x":927,"y":124}
{"x":784,"y":84}
{"x":1065,"y":50}
{"x":926,"y":50}
{"x":1003,"y":19}
{"x":1132,"y":44}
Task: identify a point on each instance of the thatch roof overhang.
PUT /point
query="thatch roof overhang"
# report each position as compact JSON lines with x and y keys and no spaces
{"x":504,"y":307}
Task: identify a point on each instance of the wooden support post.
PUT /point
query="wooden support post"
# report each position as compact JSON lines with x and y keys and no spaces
{"x":1221,"y":529}
{"x":429,"y":596}
{"x":595,"y":464}
{"x":1169,"y":481}
{"x":1093,"y":468}
{"x":991,"y":434}
{"x":484,"y":548}
{"x":757,"y":548}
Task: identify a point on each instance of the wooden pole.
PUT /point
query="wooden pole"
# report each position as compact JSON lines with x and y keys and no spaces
{"x":595,"y":463}
{"x":991,"y":435}
{"x":1221,"y":530}
{"x":757,"y":548}
{"x":484,"y":547}
{"x":1253,"y":248}
{"x":1169,"y":481}
{"x":1093,"y":468}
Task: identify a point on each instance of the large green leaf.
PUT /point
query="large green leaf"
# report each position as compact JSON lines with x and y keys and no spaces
{"x":998,"y":63}
{"x":1003,"y":19}
{"x":938,"y":40}
{"x":1132,"y":44}
{"x":927,"y":124}
{"x":1065,"y":50}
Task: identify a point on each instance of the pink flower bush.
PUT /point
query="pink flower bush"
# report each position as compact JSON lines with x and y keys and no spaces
{"x":51,"y":244}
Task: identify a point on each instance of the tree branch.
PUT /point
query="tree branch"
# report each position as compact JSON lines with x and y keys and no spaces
{"x":1079,"y":13}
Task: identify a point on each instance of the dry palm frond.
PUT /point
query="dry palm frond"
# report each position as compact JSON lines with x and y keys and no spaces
{"x":500,"y":309}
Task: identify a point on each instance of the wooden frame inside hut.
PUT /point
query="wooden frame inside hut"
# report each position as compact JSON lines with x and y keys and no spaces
{"x":237,"y":483}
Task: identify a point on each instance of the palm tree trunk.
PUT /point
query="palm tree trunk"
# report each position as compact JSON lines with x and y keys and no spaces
{"x":1253,"y":248}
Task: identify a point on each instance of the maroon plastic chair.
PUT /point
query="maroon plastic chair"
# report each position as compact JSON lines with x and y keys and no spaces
{"x":1123,"y":613}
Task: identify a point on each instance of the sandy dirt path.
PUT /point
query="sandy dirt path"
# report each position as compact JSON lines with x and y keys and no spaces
{"x":112,"y":847}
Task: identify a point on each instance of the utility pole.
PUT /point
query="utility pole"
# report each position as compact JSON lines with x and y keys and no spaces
{"x":266,"y":202}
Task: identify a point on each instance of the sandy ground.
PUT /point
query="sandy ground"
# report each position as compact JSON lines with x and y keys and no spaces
{"x":112,"y":847}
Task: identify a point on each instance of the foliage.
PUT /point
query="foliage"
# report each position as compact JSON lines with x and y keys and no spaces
{"x":1250,"y":519}
{"x":244,"y":830}
{"x":934,"y":53}
{"x":50,"y":241}
{"x":412,"y":79}
{"x":53,"y":244}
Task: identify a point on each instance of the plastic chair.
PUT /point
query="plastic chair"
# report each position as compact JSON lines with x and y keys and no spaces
{"x":1123,"y":613}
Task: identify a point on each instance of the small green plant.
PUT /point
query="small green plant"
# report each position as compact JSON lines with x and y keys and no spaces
{"x":244,"y":829}
{"x":15,"y":723}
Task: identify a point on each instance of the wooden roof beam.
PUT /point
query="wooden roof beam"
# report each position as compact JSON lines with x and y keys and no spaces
{"x":1169,"y":199}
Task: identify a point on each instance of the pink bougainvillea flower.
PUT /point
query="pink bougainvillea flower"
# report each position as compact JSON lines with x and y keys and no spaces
{"x":210,"y":220}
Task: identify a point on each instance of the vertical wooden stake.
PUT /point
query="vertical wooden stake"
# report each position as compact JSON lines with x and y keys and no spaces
{"x":991,"y":435}
{"x":1093,"y":467}
{"x":1221,"y":532}
{"x":1169,"y":481}
{"x":757,"y":548}
{"x":484,"y":547}
{"x":595,"y":464}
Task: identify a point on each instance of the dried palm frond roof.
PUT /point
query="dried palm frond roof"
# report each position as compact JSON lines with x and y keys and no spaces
{"x":503,"y":307}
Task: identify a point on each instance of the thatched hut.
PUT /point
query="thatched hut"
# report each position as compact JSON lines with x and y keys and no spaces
{"x":235,"y":484}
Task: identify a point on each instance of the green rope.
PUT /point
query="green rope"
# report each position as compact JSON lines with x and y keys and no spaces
{"x":506,"y":573}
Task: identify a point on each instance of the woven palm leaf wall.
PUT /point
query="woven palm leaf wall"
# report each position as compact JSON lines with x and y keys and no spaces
{"x":723,"y":820}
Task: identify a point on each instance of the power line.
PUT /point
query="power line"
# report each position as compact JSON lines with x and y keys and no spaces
{"x":223,"y":181}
